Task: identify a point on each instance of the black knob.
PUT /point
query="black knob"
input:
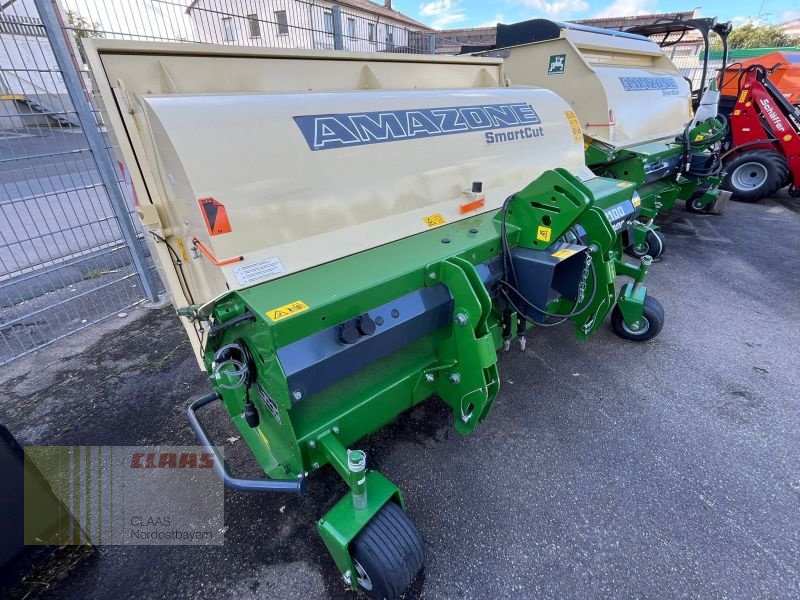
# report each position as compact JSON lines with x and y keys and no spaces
{"x":348,"y":333}
{"x":365,"y":324}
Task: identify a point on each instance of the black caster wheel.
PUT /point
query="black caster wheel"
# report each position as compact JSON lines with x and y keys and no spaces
{"x":387,"y":554}
{"x":654,"y":245}
{"x":648,"y":328}
{"x":693,"y":206}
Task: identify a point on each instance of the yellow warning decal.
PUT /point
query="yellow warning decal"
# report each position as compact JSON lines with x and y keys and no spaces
{"x":575,"y":125}
{"x":564,"y":253}
{"x":182,"y":248}
{"x":543,"y":233}
{"x":737,"y":112}
{"x":624,"y":184}
{"x":636,"y":201}
{"x":787,"y":138}
{"x":287,"y":310}
{"x":743,"y":95}
{"x":699,"y":137}
{"x":434,"y":220}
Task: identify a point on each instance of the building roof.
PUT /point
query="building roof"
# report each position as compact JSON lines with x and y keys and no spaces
{"x":379,"y":10}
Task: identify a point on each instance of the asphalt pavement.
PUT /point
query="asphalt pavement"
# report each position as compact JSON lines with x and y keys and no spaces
{"x":607,"y":469}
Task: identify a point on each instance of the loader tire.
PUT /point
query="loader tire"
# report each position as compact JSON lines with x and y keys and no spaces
{"x":754,"y":175}
{"x":652,"y":317}
{"x":387,"y":554}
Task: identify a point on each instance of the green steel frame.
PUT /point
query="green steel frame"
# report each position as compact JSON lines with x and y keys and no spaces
{"x":457,"y":363}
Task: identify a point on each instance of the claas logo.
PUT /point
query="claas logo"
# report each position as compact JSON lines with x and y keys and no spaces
{"x":215,"y":216}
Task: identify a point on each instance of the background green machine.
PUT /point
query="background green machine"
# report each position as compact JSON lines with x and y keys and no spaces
{"x":633,"y":107}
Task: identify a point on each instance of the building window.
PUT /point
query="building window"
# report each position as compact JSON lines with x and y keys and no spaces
{"x":282,"y":21}
{"x":254,"y":25}
{"x":228,"y":33}
{"x":351,"y":27}
{"x":389,"y":35}
{"x":328,"y":21}
{"x":371,"y":32}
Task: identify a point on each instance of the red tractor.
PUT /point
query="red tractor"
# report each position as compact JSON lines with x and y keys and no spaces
{"x":764,"y":153}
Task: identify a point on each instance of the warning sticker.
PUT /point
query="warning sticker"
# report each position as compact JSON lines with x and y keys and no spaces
{"x":287,"y":310}
{"x":575,"y":125}
{"x":636,"y":201}
{"x":215,"y":216}
{"x":624,"y":184}
{"x":259,"y":270}
{"x":564,"y":253}
{"x":434,"y":220}
{"x":543,"y":234}
{"x":742,"y":96}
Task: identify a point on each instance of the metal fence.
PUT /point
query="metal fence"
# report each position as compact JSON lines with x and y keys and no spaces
{"x":71,"y":253}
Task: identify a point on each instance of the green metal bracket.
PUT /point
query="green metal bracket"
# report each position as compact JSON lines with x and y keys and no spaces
{"x":471,"y":386}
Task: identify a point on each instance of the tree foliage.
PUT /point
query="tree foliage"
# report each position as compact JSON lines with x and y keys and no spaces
{"x":760,"y":36}
{"x":82,"y":28}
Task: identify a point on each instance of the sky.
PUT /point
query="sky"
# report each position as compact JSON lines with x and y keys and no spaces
{"x":475,"y":13}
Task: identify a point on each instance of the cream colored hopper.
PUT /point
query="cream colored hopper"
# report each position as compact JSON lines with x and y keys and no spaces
{"x":311,"y":156}
{"x":623,"y":88}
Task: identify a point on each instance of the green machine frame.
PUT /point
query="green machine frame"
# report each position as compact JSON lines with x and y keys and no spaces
{"x":296,"y":418}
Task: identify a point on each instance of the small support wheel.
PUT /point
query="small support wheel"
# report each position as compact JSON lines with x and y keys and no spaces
{"x":646,"y":329}
{"x":654,"y":245}
{"x":693,"y":205}
{"x":387,"y":554}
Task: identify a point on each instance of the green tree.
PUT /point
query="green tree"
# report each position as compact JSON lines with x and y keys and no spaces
{"x":760,"y":36}
{"x":82,"y":28}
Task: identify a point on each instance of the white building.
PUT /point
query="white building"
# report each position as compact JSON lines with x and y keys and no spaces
{"x":32,"y":89}
{"x":358,"y":25}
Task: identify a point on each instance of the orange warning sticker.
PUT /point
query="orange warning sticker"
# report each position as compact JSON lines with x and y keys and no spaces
{"x":215,"y":216}
{"x":742,"y":96}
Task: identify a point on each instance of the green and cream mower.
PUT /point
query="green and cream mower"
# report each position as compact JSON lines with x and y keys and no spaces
{"x":347,"y":235}
{"x":633,"y":107}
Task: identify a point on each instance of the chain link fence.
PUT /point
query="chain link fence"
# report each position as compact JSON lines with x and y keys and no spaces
{"x":71,"y":251}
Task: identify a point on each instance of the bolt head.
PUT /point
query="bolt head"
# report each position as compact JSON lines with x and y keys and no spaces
{"x":455,"y":378}
{"x":461,"y":319}
{"x":315,"y":466}
{"x":335,"y":430}
{"x":312,"y":444}
{"x":432,"y":275}
{"x":297,"y":395}
{"x":430,"y":378}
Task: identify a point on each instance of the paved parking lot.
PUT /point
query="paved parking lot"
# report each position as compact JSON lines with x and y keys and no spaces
{"x":607,"y":469}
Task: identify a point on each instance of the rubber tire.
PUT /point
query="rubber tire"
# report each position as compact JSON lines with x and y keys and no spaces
{"x":653,"y":239}
{"x":390,"y":550}
{"x":654,"y":315}
{"x":690,"y":207}
{"x":777,"y":172}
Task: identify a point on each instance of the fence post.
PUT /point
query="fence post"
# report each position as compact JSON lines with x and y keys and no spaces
{"x":102,"y":159}
{"x":338,"y":36}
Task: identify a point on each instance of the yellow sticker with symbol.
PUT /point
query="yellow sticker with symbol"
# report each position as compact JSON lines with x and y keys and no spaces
{"x":742,"y":96}
{"x":434,"y":220}
{"x":564,"y":253}
{"x":624,"y":184}
{"x":287,"y":310}
{"x":636,"y":201}
{"x":543,"y":234}
{"x":575,"y":125}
